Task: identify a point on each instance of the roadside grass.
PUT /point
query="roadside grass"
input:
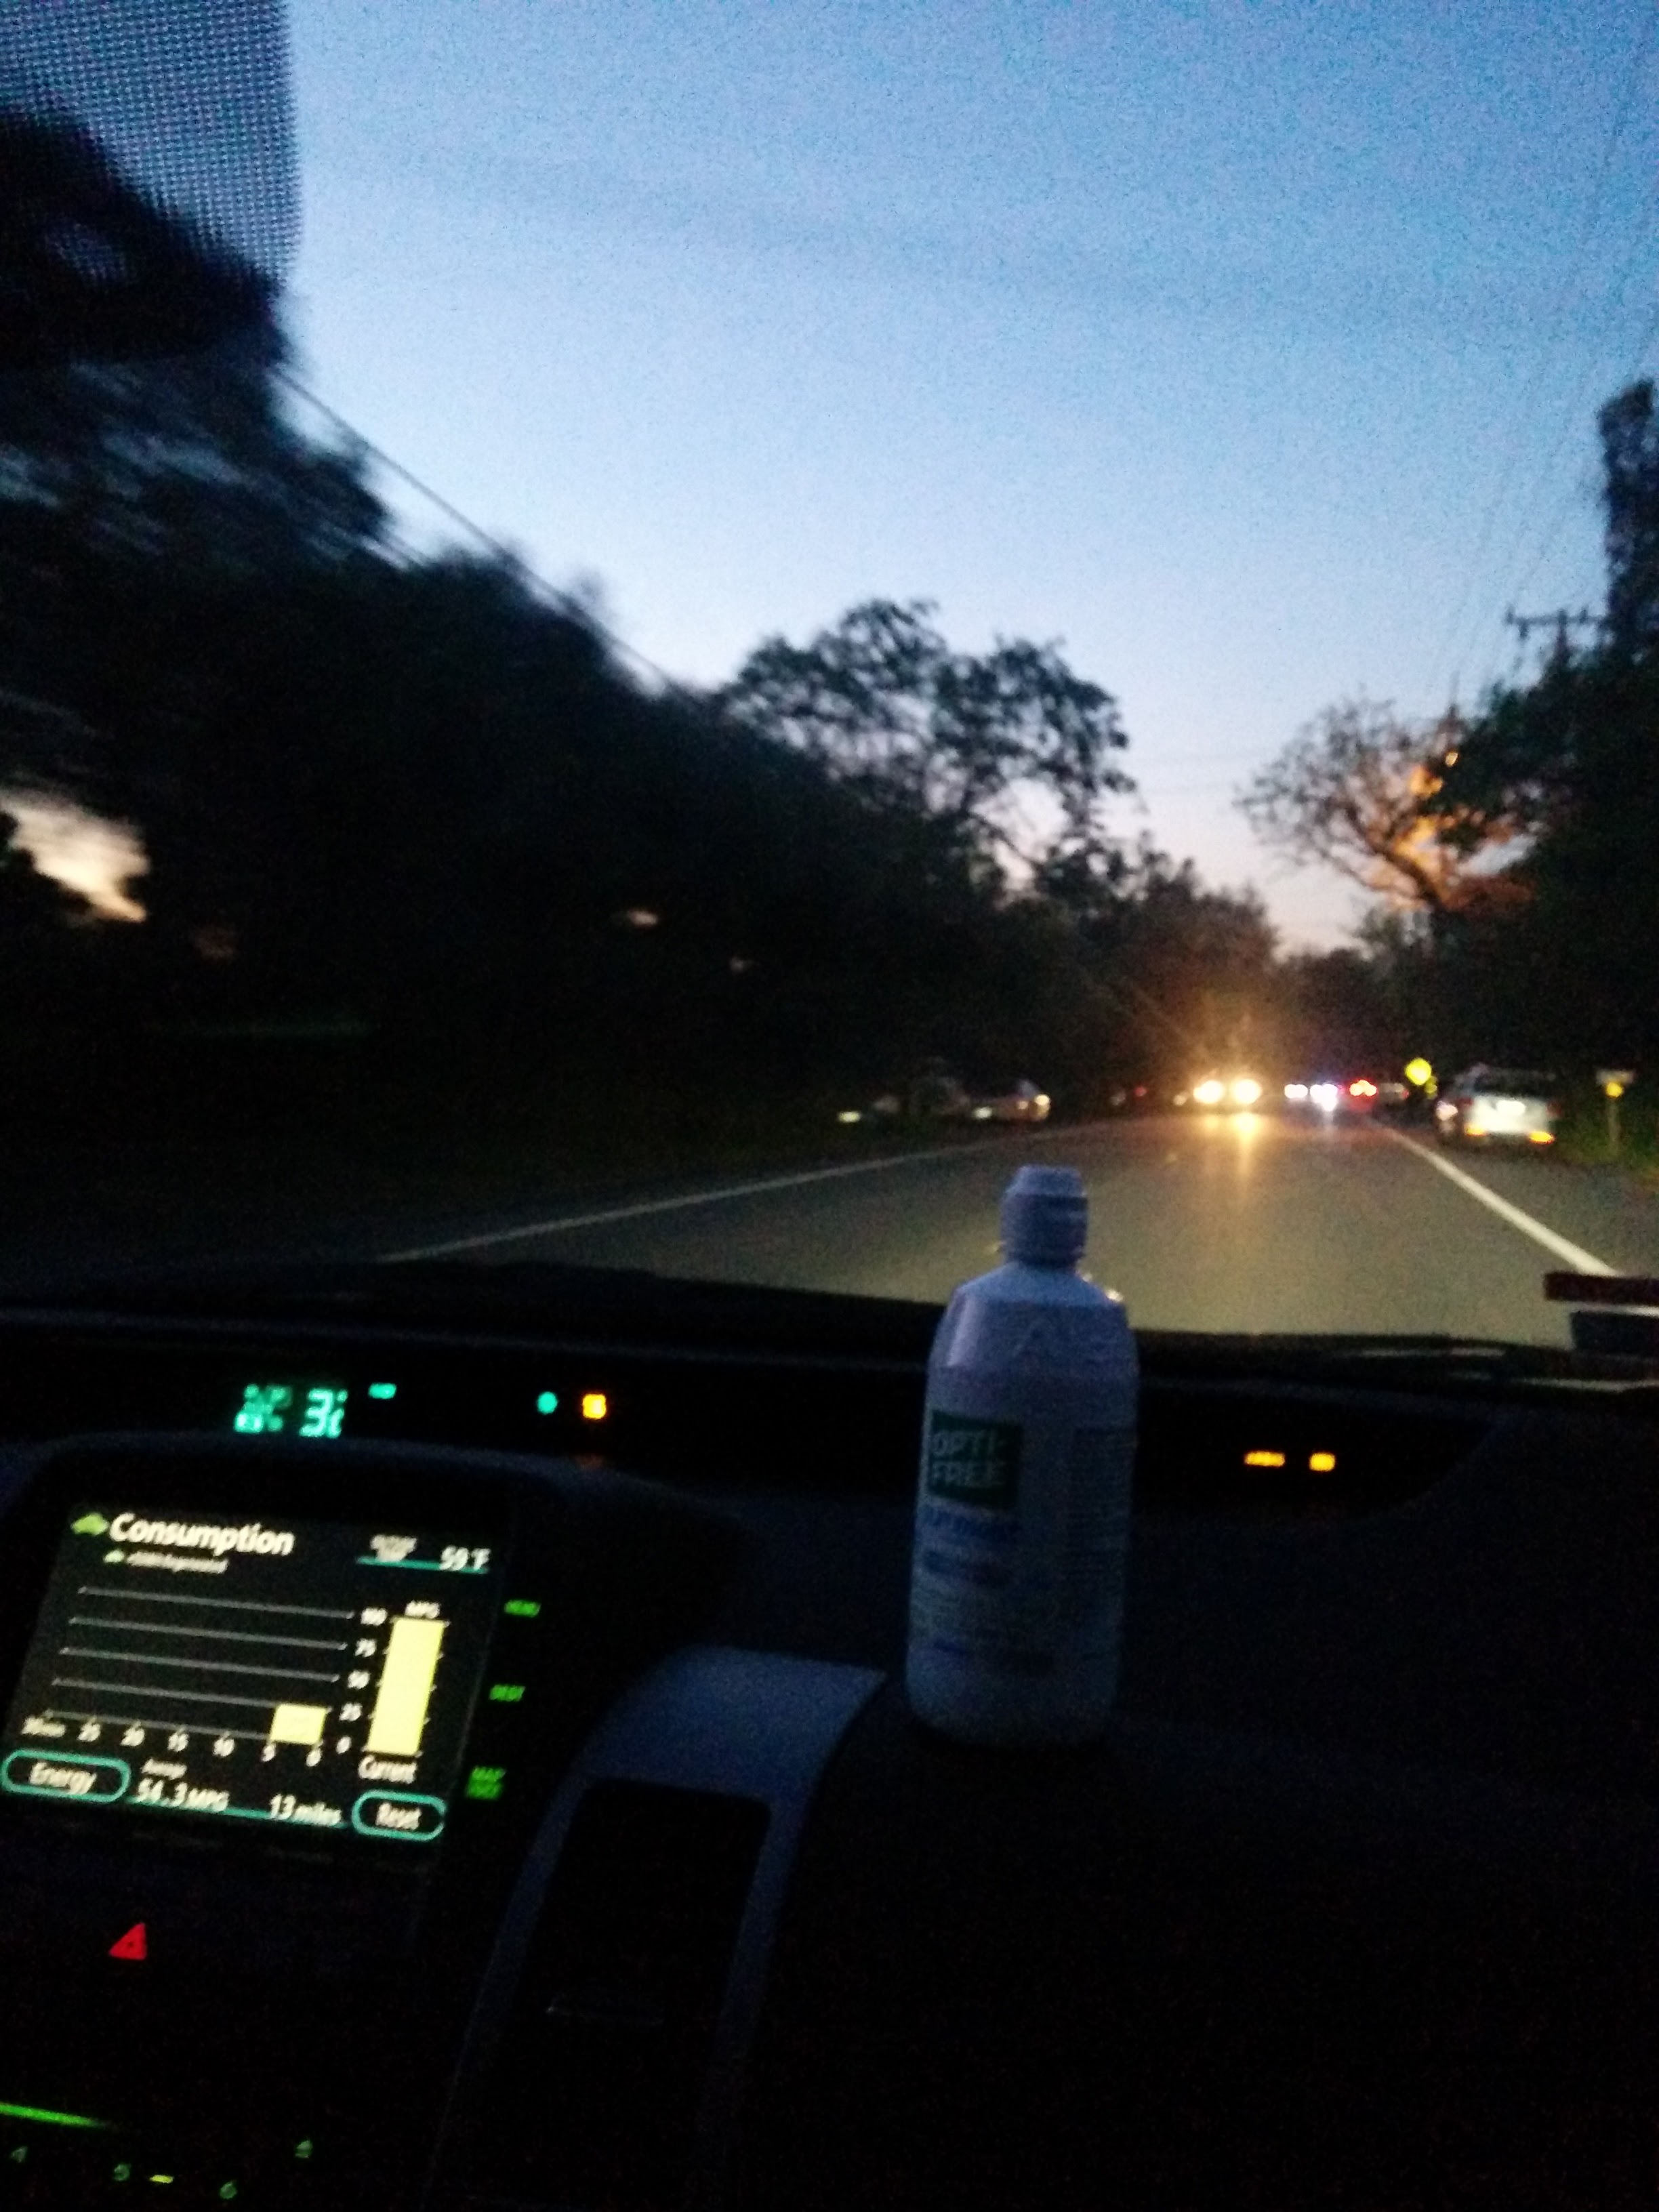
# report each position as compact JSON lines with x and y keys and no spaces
{"x":141,"y":1161}
{"x":1585,"y":1137}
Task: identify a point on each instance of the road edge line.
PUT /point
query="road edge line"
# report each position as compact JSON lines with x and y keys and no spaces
{"x":795,"y":1181}
{"x":1583,"y":1262}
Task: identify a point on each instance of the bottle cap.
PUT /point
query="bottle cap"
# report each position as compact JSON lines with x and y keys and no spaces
{"x":1045,"y":1218}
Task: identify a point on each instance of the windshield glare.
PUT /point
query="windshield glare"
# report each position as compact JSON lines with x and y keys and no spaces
{"x":773,"y":613}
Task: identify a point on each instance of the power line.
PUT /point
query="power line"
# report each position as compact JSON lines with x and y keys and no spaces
{"x":1550,"y":345}
{"x":565,"y":602}
{"x":1584,"y":393}
{"x":1521,"y":577}
{"x":1649,"y":332}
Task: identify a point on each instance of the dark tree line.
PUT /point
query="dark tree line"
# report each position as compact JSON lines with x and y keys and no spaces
{"x":415,"y":798}
{"x":1517,"y":848}
{"x":1568,"y":965}
{"x":1560,"y":962}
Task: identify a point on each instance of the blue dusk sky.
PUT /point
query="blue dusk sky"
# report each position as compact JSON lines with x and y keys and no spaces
{"x":1253,"y":349}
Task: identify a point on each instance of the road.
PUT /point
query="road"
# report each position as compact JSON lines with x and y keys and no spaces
{"x":1222,"y":1222}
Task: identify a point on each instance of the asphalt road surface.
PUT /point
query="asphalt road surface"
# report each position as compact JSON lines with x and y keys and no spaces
{"x":1222,"y":1222}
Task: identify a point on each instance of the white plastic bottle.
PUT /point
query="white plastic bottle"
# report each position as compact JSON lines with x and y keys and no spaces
{"x":1022,"y":1514}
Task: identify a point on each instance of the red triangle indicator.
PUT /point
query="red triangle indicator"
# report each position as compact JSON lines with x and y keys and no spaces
{"x":135,"y":1944}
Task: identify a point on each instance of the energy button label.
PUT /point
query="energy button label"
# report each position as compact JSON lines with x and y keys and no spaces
{"x":94,"y":1781}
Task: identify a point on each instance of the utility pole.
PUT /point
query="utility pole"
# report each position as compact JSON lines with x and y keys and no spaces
{"x":1560,"y":620}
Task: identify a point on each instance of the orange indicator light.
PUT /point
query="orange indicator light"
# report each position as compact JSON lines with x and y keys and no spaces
{"x":1542,"y":1136}
{"x":1264,"y":1459}
{"x":1321,"y":1462}
{"x":595,"y":1406}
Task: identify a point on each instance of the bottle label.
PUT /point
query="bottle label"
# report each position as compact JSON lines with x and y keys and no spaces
{"x":1020,"y":1594}
{"x":1097,"y":1471}
{"x":973,"y":1462}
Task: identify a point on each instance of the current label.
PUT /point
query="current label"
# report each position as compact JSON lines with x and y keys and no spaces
{"x":318,"y":1674}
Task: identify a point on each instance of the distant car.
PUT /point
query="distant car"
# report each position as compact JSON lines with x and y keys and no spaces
{"x":1023,"y":1103}
{"x":1358,"y":1094}
{"x":937,"y":1095}
{"x":1498,"y":1105}
{"x":933,"y":1093}
{"x":889,"y":1108}
{"x":1239,"y":1091}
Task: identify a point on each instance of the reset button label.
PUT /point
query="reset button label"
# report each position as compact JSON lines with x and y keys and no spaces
{"x":399,"y":1813}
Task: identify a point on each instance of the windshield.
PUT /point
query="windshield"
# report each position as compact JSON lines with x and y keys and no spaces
{"x":1523,"y":1081}
{"x":775,"y":611}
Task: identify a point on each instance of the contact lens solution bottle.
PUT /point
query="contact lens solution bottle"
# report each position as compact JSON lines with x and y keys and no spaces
{"x":1023,"y":1511}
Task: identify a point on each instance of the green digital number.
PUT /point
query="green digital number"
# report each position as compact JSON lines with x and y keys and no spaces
{"x":325,"y":1413}
{"x":264,"y":1409}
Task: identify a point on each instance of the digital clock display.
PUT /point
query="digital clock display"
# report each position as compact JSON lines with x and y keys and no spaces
{"x":312,"y":1673}
{"x":311,"y":1410}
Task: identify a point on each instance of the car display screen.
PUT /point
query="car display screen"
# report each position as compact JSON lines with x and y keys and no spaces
{"x":318,"y":1674}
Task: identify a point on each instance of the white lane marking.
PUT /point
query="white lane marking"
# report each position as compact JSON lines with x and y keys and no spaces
{"x":569,"y":1221}
{"x":1581,"y":1262}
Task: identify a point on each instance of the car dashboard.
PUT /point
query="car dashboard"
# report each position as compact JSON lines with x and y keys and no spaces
{"x":454,"y":1755}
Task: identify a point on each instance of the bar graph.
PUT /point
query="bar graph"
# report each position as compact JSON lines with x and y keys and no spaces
{"x":229,"y":1667}
{"x":407,"y":1674}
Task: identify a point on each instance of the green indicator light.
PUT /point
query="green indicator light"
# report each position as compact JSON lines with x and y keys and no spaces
{"x":506,"y":1693}
{"x":20,"y":2156}
{"x":486,"y":1782}
{"x":227,"y":2191}
{"x":121,"y":2172}
{"x":382,"y":1389}
{"x":162,"y":2180}
{"x":49,"y":2119}
{"x":304,"y":2148}
{"x":548,"y":1403}
{"x":521,"y":1609}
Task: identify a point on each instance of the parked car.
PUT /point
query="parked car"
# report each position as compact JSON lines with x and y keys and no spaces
{"x":936,"y":1093}
{"x":1023,"y":1103}
{"x":1500,"y":1105}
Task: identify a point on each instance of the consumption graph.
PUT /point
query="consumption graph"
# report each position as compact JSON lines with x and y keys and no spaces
{"x":304,"y":1682}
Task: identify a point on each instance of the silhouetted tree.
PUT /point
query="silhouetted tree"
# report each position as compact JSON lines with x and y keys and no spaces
{"x":1361,"y":790}
{"x":885,"y":704}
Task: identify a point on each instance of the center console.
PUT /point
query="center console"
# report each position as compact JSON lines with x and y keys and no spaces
{"x":362,"y":1843}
